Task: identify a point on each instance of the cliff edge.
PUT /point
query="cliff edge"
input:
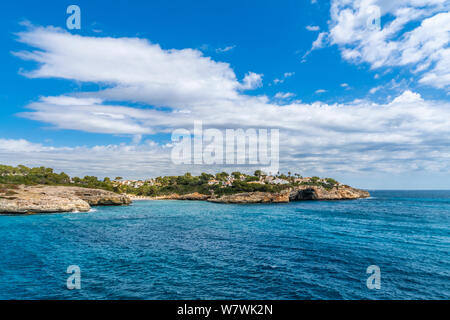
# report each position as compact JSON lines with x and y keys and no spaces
{"x":23,"y":199}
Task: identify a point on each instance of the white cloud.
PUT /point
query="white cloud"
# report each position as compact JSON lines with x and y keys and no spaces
{"x":344,"y":85}
{"x":284,"y":95}
{"x":406,"y":133}
{"x":132,"y":67}
{"x":414,"y":34}
{"x":225,"y":49}
{"x":251,"y":81}
{"x":320,"y":42}
{"x":77,"y":114}
{"x":375,"y":89}
{"x":320,"y":91}
{"x":312,"y":28}
{"x":285,"y":76}
{"x":21,"y":145}
{"x":148,"y":159}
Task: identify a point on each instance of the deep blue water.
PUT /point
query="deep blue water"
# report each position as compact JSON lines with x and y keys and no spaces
{"x":200,"y":250}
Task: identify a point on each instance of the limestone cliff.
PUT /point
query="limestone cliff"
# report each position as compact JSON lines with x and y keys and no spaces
{"x":320,"y":193}
{"x":299,"y":193}
{"x":176,"y":196}
{"x":40,"y":198}
{"x":253,"y":197}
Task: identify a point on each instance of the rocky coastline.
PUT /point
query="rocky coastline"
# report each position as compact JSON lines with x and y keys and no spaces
{"x":299,"y":193}
{"x":21,"y":199}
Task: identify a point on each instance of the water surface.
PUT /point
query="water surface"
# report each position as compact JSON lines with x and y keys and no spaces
{"x":200,"y":250}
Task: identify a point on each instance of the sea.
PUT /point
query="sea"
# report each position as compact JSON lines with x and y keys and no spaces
{"x":393,"y":245}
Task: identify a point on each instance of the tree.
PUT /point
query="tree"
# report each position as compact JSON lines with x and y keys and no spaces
{"x":331,"y":181}
{"x":118,"y":178}
{"x":205,"y":177}
{"x":251,"y":178}
{"x":222,"y":176}
{"x":315,"y":179}
{"x":76,"y":180}
{"x":63,"y":178}
{"x":236,"y":174}
{"x":258,"y":173}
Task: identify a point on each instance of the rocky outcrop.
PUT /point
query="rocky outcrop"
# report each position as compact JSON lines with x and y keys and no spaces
{"x":194,"y":196}
{"x":176,"y":196}
{"x":306,"y":192}
{"x":40,"y":199}
{"x":253,"y":197}
{"x":43,"y":204}
{"x":97,"y":197}
{"x":299,"y":193}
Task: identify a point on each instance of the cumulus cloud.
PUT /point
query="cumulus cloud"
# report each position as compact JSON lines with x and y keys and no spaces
{"x":251,"y":81}
{"x":403,"y":134}
{"x":132,"y":67}
{"x":414,"y":34}
{"x":149,"y":159}
{"x":88,"y":115}
{"x":407,"y":133}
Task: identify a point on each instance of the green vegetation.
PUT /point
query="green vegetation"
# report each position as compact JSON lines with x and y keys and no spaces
{"x":242,"y":186}
{"x":327,"y":183}
{"x":41,"y":175}
{"x":258,"y":173}
{"x":25,"y":175}
{"x":219,"y":184}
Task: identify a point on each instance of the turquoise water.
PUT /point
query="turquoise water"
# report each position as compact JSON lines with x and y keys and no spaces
{"x":200,"y":250}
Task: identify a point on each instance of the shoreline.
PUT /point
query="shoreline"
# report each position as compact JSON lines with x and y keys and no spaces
{"x":29,"y":199}
{"x":22,"y":199}
{"x":290,"y":194}
{"x":139,"y":198}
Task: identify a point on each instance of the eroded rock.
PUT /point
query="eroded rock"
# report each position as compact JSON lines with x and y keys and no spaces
{"x":39,"y":199}
{"x":253,"y":197}
{"x":320,"y":193}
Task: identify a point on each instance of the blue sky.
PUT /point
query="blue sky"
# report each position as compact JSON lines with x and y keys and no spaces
{"x":365,"y":106}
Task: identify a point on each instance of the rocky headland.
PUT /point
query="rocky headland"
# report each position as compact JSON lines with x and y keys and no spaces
{"x":342,"y":192}
{"x":40,"y":189}
{"x":21,"y":199}
{"x":299,"y":193}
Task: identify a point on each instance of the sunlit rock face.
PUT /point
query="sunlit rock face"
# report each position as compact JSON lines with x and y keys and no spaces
{"x":320,"y":193}
{"x":50,"y":199}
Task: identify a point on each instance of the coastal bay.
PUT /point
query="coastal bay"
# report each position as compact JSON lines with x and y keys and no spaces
{"x":202,"y":250}
{"x":39,"y":190}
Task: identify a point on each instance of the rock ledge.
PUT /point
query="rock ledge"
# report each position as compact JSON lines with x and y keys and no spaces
{"x":49,"y":199}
